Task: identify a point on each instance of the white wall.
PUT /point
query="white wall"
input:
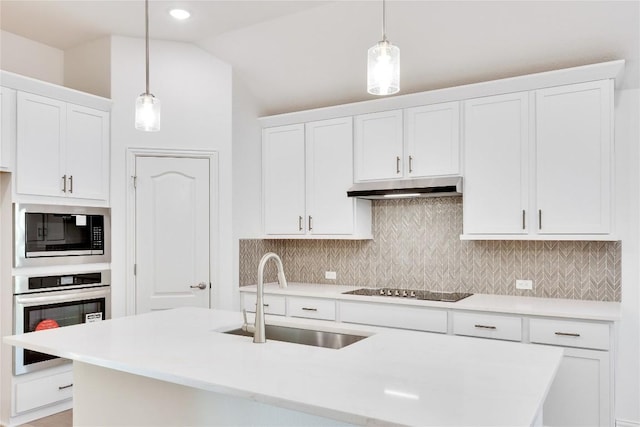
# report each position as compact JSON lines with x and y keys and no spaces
{"x":195,"y":90}
{"x":87,"y":67}
{"x":627,"y":137}
{"x":247,"y":172}
{"x":32,"y":59}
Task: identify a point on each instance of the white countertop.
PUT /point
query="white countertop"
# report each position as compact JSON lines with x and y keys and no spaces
{"x":392,"y":377}
{"x":531,"y":306}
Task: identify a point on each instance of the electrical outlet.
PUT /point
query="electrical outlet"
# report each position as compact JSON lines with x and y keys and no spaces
{"x":331,"y":275}
{"x":524,"y":284}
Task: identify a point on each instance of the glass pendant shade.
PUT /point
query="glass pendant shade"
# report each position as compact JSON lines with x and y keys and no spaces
{"x":147,"y":113}
{"x":383,"y":69}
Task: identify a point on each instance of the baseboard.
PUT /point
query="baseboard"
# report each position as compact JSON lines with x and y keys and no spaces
{"x":627,"y":423}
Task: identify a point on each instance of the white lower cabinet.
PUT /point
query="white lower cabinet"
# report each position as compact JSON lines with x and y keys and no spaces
{"x":580,"y":394}
{"x":312,"y":308}
{"x":496,"y":326}
{"x":273,"y":304}
{"x":394,"y":316}
{"x":34,"y":391}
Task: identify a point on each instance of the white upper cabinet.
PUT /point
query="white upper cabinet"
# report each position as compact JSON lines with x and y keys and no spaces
{"x":378,"y":146}
{"x":283,"y":180}
{"x":573,"y":158}
{"x":545,"y":174}
{"x":62,"y":150}
{"x":411,"y":143}
{"x":87,"y":152}
{"x":7,"y":126}
{"x":40,"y":146}
{"x":496,"y":179}
{"x":307,"y":170}
{"x":432,"y":140}
{"x":329,"y":175}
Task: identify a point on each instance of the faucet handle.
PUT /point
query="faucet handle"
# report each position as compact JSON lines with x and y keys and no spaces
{"x":246,"y":326}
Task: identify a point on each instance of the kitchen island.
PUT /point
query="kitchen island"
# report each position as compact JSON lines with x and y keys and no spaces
{"x":177,"y":367}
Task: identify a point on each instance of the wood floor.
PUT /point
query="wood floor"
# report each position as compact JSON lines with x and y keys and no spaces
{"x":62,"y":419}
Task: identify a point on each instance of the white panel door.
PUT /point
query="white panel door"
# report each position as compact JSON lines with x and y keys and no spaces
{"x":433,"y":138}
{"x":496,"y":177}
{"x":573,"y":158}
{"x":40,"y":138}
{"x":329,"y":172}
{"x":283,"y":172}
{"x":7,"y":126}
{"x":172,"y":233}
{"x":87,"y":152}
{"x":378,"y":146}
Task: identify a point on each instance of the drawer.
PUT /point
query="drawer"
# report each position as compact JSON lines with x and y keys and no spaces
{"x":43,"y":391}
{"x":273,"y":304}
{"x":312,"y":308}
{"x":488,"y":326}
{"x":569,"y":333}
{"x":394,"y":316}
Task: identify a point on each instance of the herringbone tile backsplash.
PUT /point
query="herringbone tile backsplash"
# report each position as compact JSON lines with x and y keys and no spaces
{"x":417,"y":246}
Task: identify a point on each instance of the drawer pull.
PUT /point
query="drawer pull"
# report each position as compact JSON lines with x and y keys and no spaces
{"x":485,"y":327}
{"x":309,"y":309}
{"x":568,"y":334}
{"x":62,"y":387}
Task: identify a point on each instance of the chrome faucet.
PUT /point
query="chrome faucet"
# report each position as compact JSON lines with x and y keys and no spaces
{"x":258,"y":327}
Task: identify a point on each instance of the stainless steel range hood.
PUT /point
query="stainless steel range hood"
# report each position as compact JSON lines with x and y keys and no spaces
{"x":407,"y":188}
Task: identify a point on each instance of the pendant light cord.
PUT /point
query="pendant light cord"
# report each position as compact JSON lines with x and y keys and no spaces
{"x":384,"y":22}
{"x":146,"y":36}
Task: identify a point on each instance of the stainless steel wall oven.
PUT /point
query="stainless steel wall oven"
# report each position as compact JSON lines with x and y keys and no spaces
{"x":52,"y":301}
{"x":56,"y":235}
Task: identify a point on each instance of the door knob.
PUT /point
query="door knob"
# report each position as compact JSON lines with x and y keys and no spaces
{"x":200,"y":285}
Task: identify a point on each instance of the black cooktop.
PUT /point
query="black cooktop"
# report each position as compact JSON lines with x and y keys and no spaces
{"x":411,"y":294}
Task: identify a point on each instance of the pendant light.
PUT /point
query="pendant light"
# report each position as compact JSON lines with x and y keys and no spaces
{"x":147,"y":105}
{"x":383,"y":64}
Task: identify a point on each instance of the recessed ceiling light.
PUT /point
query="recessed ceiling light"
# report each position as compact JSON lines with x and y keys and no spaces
{"x":179,"y":14}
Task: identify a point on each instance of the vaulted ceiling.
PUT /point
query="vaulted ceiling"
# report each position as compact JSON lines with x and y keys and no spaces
{"x":304,"y":54}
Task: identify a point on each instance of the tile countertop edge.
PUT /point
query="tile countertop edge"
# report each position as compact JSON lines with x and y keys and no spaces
{"x":505,"y":304}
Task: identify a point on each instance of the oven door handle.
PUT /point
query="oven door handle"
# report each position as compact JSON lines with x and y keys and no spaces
{"x":28,"y":300}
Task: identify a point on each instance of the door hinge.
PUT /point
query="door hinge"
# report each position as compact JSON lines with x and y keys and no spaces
{"x":135,"y":269}
{"x":135,"y":181}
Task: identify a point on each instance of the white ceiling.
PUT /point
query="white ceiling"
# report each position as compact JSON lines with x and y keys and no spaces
{"x":304,"y":54}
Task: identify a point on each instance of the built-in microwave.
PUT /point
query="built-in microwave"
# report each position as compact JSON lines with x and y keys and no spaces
{"x":55,"y":235}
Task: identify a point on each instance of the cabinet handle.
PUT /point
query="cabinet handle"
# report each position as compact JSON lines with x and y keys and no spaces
{"x":309,"y":309}
{"x":310,"y":224}
{"x":64,"y":183}
{"x":397,"y":164}
{"x":299,"y":223}
{"x":485,"y":327}
{"x":62,"y":387}
{"x":539,"y":219}
{"x":410,"y":164}
{"x":568,"y":334}
{"x":70,"y":183}
{"x":524,"y":220}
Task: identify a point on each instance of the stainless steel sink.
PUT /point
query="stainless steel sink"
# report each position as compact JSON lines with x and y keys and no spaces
{"x":304,"y":336}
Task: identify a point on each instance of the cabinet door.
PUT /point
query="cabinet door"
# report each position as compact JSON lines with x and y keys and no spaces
{"x":7,"y":126}
{"x":40,"y":138}
{"x":378,"y":145}
{"x":580,"y":393}
{"x":496,"y":177}
{"x":87,"y":153}
{"x":573,"y":158}
{"x":283,"y":180}
{"x":329,"y":172}
{"x":432,"y":138}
